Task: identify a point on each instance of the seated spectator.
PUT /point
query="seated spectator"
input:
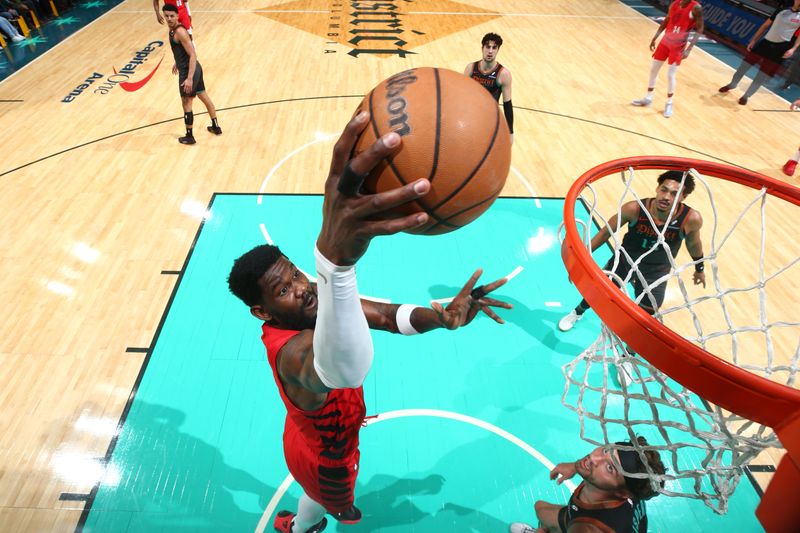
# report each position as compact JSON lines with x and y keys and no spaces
{"x":7,"y":28}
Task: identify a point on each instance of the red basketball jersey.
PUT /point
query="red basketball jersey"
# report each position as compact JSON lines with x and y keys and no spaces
{"x":680,"y":23}
{"x":330,"y":432}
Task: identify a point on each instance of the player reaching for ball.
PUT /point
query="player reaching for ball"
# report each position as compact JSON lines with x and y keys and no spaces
{"x":493,"y":76}
{"x":317,"y":335}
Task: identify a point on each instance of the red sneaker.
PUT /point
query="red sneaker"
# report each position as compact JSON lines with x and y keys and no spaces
{"x":285,"y":519}
{"x":790,"y":167}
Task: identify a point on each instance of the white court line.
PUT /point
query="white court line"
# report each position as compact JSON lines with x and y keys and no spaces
{"x":319,"y":137}
{"x":513,"y":274}
{"x":435,"y":413}
{"x":527,"y":185}
{"x":552,"y":304}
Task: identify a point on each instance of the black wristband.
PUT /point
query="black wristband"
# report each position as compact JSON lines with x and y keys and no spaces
{"x":508,"y":111}
{"x":699,"y":267}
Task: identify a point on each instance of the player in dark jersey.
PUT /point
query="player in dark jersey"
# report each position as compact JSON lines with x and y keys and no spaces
{"x":606,"y":501}
{"x":493,"y":76}
{"x":641,"y":241}
{"x":318,"y":338}
{"x":190,"y":75}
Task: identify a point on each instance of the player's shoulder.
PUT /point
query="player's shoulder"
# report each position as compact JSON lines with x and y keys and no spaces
{"x":630,"y":209}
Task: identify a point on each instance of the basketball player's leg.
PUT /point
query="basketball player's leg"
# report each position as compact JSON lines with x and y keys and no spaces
{"x":672,"y":77}
{"x":659,"y":56}
{"x":791,"y":165}
{"x":188,"y":120}
{"x":568,"y":321}
{"x":212,"y":112}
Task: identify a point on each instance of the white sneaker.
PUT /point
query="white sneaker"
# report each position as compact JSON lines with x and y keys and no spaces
{"x":668,"y":109}
{"x":625,"y":373}
{"x":17,"y":38}
{"x":642,"y":102}
{"x":519,"y":527}
{"x":566,"y":323}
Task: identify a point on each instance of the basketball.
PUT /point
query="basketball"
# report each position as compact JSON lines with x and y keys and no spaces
{"x":453,"y":134}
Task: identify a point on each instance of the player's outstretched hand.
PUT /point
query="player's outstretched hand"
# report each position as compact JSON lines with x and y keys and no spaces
{"x":469,"y":301}
{"x":795,"y":105}
{"x":563,"y":472}
{"x":350,"y":219}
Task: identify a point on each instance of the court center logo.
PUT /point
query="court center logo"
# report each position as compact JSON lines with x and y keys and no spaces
{"x":100,"y":84}
{"x":379,"y":27}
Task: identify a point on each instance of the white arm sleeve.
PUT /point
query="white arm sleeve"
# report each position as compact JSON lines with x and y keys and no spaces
{"x":342,"y":342}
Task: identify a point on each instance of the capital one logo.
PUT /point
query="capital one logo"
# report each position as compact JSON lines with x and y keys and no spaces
{"x":121,"y":77}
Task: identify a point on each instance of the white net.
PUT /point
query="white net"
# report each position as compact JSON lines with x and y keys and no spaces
{"x":744,"y":315}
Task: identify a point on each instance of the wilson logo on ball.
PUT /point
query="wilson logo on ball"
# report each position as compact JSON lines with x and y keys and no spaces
{"x":396,"y":104}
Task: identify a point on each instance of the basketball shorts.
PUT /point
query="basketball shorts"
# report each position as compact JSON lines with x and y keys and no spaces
{"x":673,"y":53}
{"x":643,"y":281}
{"x":768,"y":55}
{"x":198,"y":85}
{"x":330,"y":483}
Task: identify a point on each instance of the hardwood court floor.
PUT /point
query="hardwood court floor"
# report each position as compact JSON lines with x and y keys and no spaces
{"x":98,"y":198}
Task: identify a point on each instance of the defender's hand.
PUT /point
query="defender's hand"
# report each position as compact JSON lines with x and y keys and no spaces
{"x":351,"y":219}
{"x":563,"y":472}
{"x":187,"y":86}
{"x":465,"y":306}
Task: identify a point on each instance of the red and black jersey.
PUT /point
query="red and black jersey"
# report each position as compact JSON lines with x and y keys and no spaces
{"x":489,"y":81}
{"x":613,"y":516}
{"x":330,"y":432}
{"x":642,"y":236}
{"x":680,"y":23}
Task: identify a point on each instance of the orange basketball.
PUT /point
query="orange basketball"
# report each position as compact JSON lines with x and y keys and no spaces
{"x":453,"y":134}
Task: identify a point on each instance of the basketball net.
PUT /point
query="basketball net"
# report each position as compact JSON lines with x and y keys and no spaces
{"x":618,"y":395}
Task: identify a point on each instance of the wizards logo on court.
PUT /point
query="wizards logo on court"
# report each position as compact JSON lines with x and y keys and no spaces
{"x":378,"y":27}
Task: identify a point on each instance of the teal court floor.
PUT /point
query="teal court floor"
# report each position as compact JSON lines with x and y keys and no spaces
{"x":469,"y":422}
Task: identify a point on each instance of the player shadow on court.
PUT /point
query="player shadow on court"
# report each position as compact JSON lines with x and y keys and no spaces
{"x":388,"y":502}
{"x":539,"y":324}
{"x":173,"y":481}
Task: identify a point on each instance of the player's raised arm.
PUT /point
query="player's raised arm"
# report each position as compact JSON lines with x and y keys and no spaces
{"x":411,"y":319}
{"x":342,"y":343}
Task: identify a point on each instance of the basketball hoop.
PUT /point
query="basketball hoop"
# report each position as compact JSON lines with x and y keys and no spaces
{"x":726,"y":385}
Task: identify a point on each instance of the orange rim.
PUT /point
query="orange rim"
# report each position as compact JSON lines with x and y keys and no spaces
{"x":717,"y":381}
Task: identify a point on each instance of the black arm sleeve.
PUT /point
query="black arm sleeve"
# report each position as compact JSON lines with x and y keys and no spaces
{"x":508,"y":110}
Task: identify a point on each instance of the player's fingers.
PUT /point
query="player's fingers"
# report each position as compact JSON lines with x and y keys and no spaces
{"x":491,"y":314}
{"x":394,"y":225}
{"x":494,"y":285}
{"x":495,"y":303}
{"x":467,"y":288}
{"x":384,"y":201}
{"x":344,"y":146}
